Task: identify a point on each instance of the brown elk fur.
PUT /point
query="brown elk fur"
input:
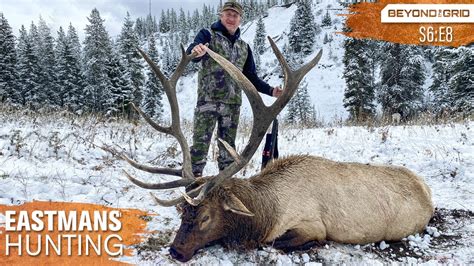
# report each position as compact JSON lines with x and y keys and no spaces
{"x":305,"y":198}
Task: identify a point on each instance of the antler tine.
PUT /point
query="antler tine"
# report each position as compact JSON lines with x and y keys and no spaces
{"x":302,"y":71}
{"x":170,"y":89}
{"x":174,"y":202}
{"x":166,"y":130}
{"x":185,"y":59}
{"x":263,"y":115}
{"x":155,"y":68}
{"x":292,"y":78}
{"x":146,"y":168}
{"x":172,"y":184}
{"x":281,"y":59}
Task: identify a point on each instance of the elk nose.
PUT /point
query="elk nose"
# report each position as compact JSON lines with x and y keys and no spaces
{"x":175,"y":254}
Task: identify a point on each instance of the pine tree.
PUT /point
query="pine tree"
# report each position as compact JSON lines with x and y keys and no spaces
{"x":173,"y":20}
{"x":73,"y":40}
{"x":302,"y":29}
{"x":47,"y":62}
{"x":128,"y":43}
{"x":153,"y":91}
{"x":164,"y":23}
{"x":183,"y":27}
{"x":359,"y":91}
{"x":151,"y":27}
{"x":300,"y":110}
{"x":442,"y":72}
{"x":402,"y":80}
{"x":97,"y":51}
{"x":196,"y":18}
{"x":140,"y":28}
{"x":119,"y":88}
{"x":28,"y":70}
{"x":259,"y":41}
{"x":461,"y":84}
{"x":326,"y":22}
{"x":8,"y":60}
{"x":68,"y":73}
{"x":75,"y":102}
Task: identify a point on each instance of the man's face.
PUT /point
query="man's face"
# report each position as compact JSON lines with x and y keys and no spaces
{"x":231,"y":20}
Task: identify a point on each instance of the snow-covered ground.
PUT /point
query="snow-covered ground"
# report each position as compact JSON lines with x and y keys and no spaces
{"x":52,"y":158}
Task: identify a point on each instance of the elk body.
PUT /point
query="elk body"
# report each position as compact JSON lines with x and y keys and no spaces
{"x":301,"y":199}
{"x":294,"y":200}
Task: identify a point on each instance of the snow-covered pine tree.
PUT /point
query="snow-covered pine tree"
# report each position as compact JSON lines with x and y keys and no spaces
{"x":8,"y":59}
{"x":300,"y":109}
{"x":62,"y":51}
{"x":260,"y":35}
{"x":413,"y":79}
{"x":151,"y":25}
{"x":208,"y":16}
{"x":140,"y":28}
{"x":196,"y":21}
{"x":164,"y":23}
{"x":73,"y":40}
{"x":120,"y":88}
{"x":359,"y":93}
{"x":128,"y":43}
{"x":39,"y":95}
{"x":173,"y":20}
{"x":183,"y":27}
{"x":402,"y":79}
{"x":153,"y":90}
{"x":302,"y":29}
{"x":461,"y":84}
{"x":28,"y":70}
{"x":75,"y":64}
{"x":326,"y":22}
{"x":442,"y":71}
{"x":97,"y":51}
{"x":259,"y":43}
{"x":68,"y":73}
{"x":47,"y":62}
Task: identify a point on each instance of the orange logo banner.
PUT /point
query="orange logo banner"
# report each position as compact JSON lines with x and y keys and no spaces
{"x":59,"y":233}
{"x":420,"y":22}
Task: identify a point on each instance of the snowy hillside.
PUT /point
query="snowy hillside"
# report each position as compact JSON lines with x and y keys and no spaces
{"x":325,"y":82}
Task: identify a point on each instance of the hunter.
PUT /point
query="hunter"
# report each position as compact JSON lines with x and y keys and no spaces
{"x":219,"y":98}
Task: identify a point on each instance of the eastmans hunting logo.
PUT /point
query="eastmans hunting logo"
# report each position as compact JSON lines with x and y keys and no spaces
{"x":71,"y":227}
{"x":64,"y":233}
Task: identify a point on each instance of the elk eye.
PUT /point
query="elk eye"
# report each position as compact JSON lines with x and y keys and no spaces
{"x":205,"y":219}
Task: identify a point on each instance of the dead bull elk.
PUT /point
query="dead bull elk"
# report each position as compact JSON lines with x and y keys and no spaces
{"x":293,"y":201}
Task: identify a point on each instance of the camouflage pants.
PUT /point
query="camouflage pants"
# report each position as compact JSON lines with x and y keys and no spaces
{"x":205,"y":117}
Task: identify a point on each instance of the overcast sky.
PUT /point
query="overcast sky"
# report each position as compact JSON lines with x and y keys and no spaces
{"x":60,"y":12}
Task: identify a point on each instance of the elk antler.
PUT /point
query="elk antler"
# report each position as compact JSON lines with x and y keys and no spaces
{"x":174,"y":130}
{"x":263,"y":115}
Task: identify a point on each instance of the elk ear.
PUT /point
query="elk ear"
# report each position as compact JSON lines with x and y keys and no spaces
{"x":233,"y":204}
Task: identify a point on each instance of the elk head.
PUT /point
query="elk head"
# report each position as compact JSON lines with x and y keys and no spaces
{"x":207,"y":204}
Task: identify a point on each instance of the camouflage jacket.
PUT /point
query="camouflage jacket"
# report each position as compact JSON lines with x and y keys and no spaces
{"x":214,"y":83}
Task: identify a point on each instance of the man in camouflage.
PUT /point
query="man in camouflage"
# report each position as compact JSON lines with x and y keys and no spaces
{"x":219,"y":97}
